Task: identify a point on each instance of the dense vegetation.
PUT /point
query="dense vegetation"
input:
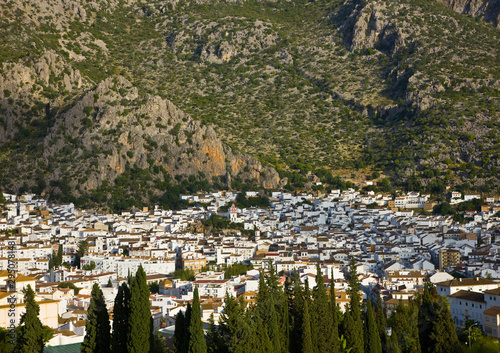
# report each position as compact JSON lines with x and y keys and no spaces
{"x":408,"y":89}
{"x":132,"y":321}
{"x":297,"y":319}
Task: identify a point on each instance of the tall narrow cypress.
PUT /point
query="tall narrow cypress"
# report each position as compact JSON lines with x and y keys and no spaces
{"x":381,"y":321}
{"x":323,"y":317}
{"x":213,"y":337}
{"x":297,"y":312}
{"x":120,"y":320}
{"x":307,"y":343}
{"x":372,"y":338}
{"x":30,"y":339}
{"x":353,"y":329}
{"x":197,"y":342}
{"x":98,"y":337}
{"x":179,"y":334}
{"x":335,"y":317}
{"x":138,"y":324}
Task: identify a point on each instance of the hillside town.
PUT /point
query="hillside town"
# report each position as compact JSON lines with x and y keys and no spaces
{"x":397,"y":245}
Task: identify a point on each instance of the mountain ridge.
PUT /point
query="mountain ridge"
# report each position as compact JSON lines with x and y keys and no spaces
{"x":339,"y":88}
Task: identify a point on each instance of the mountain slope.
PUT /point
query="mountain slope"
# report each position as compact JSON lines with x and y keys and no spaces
{"x":409,"y":88}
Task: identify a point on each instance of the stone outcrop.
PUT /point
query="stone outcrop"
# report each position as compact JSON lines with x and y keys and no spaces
{"x":111,"y":127}
{"x":488,"y":10}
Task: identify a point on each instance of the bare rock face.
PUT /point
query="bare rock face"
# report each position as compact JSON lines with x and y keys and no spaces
{"x":488,"y":10}
{"x":113,"y":128}
{"x":368,"y":27}
{"x":27,"y":82}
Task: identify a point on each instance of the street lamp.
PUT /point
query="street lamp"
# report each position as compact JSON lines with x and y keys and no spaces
{"x":474,"y":324}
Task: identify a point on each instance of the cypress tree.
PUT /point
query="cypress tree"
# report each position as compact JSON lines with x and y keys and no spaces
{"x":179,"y":333}
{"x":263,"y":299}
{"x":59,"y":257}
{"x":273,"y":329}
{"x":297,"y":312}
{"x":404,"y":322}
{"x":186,"y":331}
{"x":392,"y":343}
{"x":372,"y":338}
{"x":197,"y":342}
{"x":285,"y":321}
{"x":97,"y":338}
{"x":335,"y":317}
{"x":120,"y":320}
{"x":307,"y":343}
{"x":381,"y":321}
{"x":213,"y":337}
{"x":233,"y":325}
{"x":30,"y":339}
{"x":353,"y":329}
{"x":323,"y":317}
{"x":138,"y":324}
{"x":437,"y":331}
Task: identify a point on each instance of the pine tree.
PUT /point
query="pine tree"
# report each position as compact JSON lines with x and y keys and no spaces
{"x":138,"y":324}
{"x":120,"y":320}
{"x":97,"y":338}
{"x":197,"y":342}
{"x":354,"y":330}
{"x":307,"y":343}
{"x":372,"y":337}
{"x":30,"y":336}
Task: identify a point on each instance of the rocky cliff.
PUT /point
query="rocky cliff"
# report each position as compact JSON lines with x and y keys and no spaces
{"x":488,"y":10}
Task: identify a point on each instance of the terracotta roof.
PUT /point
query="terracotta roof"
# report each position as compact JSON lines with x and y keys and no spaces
{"x":468,"y":295}
{"x":495,"y":291}
{"x":467,"y":282}
{"x":494,"y":310}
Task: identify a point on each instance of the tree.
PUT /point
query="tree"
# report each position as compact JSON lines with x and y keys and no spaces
{"x":197,"y":342}
{"x":97,"y":338}
{"x":307,"y":344}
{"x":82,"y":248}
{"x":323,"y":318}
{"x":404,"y":323}
{"x":138,"y":328}
{"x":120,"y":320}
{"x":381,"y":321}
{"x":59,"y":257}
{"x":392,"y":343}
{"x":437,"y":330}
{"x":353,"y":327}
{"x":297,"y":312}
{"x":5,"y":340}
{"x":179,"y":332}
{"x":372,"y":338}
{"x":213,"y":337}
{"x":30,"y":336}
